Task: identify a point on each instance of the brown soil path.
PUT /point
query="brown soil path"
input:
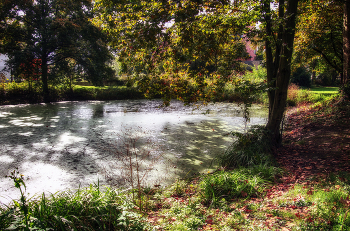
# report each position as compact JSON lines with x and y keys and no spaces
{"x":316,"y":141}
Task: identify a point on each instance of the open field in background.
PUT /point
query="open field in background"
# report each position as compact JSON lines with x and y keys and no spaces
{"x":298,"y":95}
{"x":17,"y":93}
{"x":325,"y":90}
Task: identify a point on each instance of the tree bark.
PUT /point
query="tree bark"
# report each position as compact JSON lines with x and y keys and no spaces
{"x":282,"y":78}
{"x":272,"y":43}
{"x":44,"y":53}
{"x":346,"y":42}
{"x":44,"y":70}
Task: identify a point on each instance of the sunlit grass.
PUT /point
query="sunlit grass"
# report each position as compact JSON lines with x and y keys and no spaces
{"x":325,"y":90}
{"x":99,"y":87}
{"x":13,"y":93}
{"x":297,"y":95}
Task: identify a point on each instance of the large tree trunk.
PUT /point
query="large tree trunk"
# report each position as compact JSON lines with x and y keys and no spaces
{"x":272,"y":43}
{"x":282,"y":77}
{"x":346,"y":42}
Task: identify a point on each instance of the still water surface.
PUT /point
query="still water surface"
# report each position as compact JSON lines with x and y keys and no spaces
{"x":67,"y":144}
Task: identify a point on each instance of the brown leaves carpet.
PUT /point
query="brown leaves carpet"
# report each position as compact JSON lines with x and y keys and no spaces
{"x":316,"y":141}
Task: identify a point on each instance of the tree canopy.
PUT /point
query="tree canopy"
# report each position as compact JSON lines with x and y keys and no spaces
{"x":177,"y":47}
{"x":319,"y":36}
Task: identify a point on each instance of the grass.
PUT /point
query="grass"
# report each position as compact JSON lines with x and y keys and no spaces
{"x":311,"y":206}
{"x":297,"y":96}
{"x":104,"y":93}
{"x":325,"y":90}
{"x":14,"y":93}
{"x":242,"y":183}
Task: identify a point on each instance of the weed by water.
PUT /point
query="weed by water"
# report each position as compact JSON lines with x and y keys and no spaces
{"x":136,"y":155}
{"x":85,"y":209}
{"x":249,"y":149}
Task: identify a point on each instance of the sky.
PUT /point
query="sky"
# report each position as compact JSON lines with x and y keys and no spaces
{"x":3,"y":58}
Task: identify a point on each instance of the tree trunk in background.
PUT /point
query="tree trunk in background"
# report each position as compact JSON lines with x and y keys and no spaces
{"x":44,"y":70}
{"x":283,"y":72}
{"x":346,"y":42}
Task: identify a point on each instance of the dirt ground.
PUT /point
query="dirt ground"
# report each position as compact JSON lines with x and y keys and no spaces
{"x":316,"y":141}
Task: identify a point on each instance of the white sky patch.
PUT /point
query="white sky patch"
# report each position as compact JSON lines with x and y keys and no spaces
{"x":274,"y":5}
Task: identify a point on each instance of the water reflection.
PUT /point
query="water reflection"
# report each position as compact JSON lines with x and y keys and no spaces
{"x":64,"y":145}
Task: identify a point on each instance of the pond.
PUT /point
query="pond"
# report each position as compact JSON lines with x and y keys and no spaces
{"x":67,"y":145}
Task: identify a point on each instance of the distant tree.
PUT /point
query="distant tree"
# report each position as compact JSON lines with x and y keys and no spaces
{"x":56,"y":32}
{"x":302,"y":77}
{"x":319,"y":36}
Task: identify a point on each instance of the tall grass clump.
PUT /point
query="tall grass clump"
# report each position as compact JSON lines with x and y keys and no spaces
{"x":85,"y":209}
{"x":249,"y":149}
{"x":297,"y":95}
{"x":225,"y":186}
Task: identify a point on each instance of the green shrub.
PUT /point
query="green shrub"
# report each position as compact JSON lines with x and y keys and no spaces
{"x":256,"y":75}
{"x":249,"y":149}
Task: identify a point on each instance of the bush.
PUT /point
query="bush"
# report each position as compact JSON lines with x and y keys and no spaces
{"x":249,"y":149}
{"x":301,"y":77}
